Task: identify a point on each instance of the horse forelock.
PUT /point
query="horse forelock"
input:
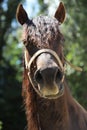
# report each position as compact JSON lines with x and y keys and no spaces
{"x":43,"y":32}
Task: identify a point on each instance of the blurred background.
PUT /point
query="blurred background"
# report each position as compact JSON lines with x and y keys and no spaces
{"x":12,"y":115}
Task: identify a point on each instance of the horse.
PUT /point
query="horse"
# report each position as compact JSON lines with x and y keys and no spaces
{"x":48,"y":101}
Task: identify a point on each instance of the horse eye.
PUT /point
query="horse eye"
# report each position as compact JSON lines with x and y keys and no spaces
{"x":31,"y":48}
{"x":25,"y":43}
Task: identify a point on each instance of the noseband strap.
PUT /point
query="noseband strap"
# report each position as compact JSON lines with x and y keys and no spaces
{"x":46,"y":51}
{"x":31,"y":68}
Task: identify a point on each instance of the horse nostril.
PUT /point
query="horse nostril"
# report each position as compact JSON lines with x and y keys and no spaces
{"x":59,"y":76}
{"x":38,"y":77}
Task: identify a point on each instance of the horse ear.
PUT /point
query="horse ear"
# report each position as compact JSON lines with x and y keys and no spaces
{"x":60,"y":13}
{"x":21,"y":14}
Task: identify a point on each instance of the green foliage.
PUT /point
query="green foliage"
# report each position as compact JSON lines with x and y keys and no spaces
{"x":1,"y":125}
{"x":12,"y":115}
{"x":43,"y":6}
{"x":75,"y":45}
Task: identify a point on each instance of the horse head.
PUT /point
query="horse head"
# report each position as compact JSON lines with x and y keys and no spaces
{"x":44,"y":51}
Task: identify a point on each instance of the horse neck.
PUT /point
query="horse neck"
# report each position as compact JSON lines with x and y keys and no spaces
{"x":56,"y":114}
{"x":43,"y":113}
{"x":53,"y":114}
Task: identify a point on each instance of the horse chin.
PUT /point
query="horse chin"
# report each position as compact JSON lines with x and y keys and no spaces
{"x":53,"y":93}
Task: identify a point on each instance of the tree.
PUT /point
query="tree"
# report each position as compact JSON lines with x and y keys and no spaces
{"x":12,"y":116}
{"x":75,"y":46}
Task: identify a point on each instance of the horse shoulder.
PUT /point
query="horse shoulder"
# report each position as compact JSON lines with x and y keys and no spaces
{"x":77,"y":115}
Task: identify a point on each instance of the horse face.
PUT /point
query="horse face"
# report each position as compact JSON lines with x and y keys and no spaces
{"x":43,"y":33}
{"x":46,"y":73}
{"x":48,"y":76}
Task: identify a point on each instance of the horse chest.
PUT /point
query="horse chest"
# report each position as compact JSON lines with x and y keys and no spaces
{"x":51,"y":118}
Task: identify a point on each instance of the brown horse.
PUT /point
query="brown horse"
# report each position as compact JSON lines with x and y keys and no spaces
{"x":48,"y":102}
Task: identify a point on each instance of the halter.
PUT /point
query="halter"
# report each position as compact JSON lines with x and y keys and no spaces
{"x":31,"y":68}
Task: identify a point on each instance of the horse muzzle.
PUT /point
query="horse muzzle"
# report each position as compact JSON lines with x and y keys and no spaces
{"x":46,"y":74}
